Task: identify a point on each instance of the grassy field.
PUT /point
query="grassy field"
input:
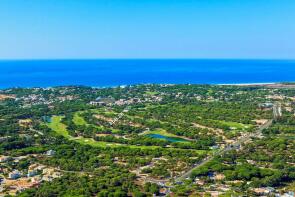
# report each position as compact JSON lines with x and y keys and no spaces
{"x":151,"y":93}
{"x":92,"y":142}
{"x":235,"y":124}
{"x":57,"y":126}
{"x":103,"y":111}
{"x":78,"y":120}
{"x":162,"y":132}
{"x":157,"y":131}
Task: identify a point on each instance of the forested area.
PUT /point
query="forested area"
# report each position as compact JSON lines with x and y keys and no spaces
{"x":154,"y":132}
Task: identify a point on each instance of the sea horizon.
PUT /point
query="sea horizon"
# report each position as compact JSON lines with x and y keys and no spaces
{"x":168,"y":58}
{"x":115,"y":72}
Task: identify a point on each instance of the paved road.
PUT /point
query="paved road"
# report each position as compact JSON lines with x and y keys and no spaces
{"x":34,"y":130}
{"x":277,"y":112}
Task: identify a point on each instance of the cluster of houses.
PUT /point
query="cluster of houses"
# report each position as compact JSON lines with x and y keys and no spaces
{"x":38,"y":99}
{"x":270,"y":191}
{"x":223,"y":186}
{"x":266,"y":105}
{"x":14,"y":181}
{"x":6,"y":96}
{"x":109,"y":101}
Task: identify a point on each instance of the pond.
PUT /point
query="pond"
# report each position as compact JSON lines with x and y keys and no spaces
{"x":46,"y":119}
{"x":170,"y":139}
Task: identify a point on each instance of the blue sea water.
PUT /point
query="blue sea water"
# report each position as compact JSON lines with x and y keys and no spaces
{"x":102,"y":73}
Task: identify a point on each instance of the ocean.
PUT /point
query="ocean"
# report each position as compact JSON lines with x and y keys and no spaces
{"x":105,"y":73}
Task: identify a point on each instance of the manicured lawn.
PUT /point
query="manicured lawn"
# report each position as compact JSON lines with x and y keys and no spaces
{"x":162,"y":132}
{"x":78,"y":120}
{"x":151,"y":93}
{"x":102,"y":111}
{"x":60,"y":128}
{"x":235,"y":124}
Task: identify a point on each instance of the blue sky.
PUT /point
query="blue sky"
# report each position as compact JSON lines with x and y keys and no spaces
{"x":58,"y":29}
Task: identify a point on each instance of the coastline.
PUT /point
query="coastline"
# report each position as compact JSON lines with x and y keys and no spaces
{"x":267,"y":84}
{"x":249,"y":84}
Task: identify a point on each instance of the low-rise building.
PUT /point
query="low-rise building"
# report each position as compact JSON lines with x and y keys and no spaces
{"x":288,"y":194}
{"x":4,"y":159}
{"x":14,"y":174}
{"x":264,"y":190}
{"x":50,"y":153}
{"x":32,"y":173}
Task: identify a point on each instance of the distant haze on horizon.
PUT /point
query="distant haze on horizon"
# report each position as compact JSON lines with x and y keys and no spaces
{"x":79,"y":29}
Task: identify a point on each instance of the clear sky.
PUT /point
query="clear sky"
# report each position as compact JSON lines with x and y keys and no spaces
{"x":37,"y":29}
